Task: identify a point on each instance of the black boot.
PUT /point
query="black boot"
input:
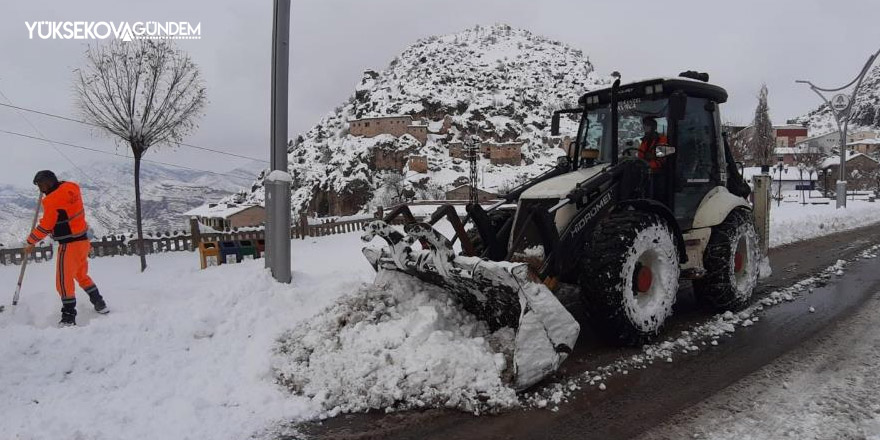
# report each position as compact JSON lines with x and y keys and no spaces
{"x":97,"y":300}
{"x":68,"y":313}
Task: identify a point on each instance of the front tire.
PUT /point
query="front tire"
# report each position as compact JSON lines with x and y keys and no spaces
{"x":731,"y":260}
{"x":629,"y":277}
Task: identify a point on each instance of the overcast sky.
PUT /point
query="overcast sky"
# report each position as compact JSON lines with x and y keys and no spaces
{"x":742,"y":44}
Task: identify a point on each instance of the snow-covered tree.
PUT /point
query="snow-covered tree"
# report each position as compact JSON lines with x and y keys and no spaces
{"x":762,"y":141}
{"x":143,"y":93}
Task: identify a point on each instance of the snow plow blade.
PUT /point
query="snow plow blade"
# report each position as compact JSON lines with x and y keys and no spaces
{"x":498,"y":293}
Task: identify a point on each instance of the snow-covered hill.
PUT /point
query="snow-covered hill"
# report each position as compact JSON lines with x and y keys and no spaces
{"x":865,"y":111}
{"x":499,"y":82}
{"x":108,"y":193}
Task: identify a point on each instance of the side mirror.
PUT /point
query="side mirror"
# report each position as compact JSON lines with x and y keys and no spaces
{"x":563,"y":161}
{"x":664,"y":150}
{"x":554,"y":124}
{"x":677,"y":105}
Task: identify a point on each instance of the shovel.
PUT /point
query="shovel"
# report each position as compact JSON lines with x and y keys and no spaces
{"x":25,"y":260}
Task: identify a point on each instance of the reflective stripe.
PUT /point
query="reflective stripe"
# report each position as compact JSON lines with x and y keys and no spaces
{"x":70,"y":218}
{"x":40,"y":228}
{"x":64,"y":237}
{"x":91,"y":289}
{"x":62,"y":250}
{"x":33,"y":238}
{"x":68,"y":301}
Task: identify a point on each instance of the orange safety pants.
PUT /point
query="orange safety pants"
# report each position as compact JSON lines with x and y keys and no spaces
{"x":72,"y":263}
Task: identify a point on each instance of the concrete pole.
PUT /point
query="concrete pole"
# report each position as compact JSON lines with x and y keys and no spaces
{"x":277,"y":184}
{"x":761,"y":208}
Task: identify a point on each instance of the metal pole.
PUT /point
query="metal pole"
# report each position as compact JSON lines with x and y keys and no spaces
{"x":841,"y":181}
{"x":277,"y":184}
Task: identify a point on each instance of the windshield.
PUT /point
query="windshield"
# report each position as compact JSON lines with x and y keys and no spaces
{"x":595,"y":130}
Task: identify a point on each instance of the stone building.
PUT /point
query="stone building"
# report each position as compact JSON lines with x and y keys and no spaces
{"x":507,"y":153}
{"x":394,"y":125}
{"x":389,"y":160}
{"x":418,"y":163}
{"x":462,"y":192}
{"x":863,"y":173}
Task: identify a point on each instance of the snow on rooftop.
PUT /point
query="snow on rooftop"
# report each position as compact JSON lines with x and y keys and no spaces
{"x":217,"y":210}
{"x":835,"y":159}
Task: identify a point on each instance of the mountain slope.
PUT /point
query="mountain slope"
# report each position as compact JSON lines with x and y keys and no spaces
{"x":497,"y":82}
{"x":108,"y":193}
{"x":865,"y":109}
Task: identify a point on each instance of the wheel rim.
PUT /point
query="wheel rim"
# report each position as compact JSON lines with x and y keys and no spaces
{"x":644,"y":278}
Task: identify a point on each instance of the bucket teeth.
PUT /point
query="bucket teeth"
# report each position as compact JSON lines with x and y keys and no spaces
{"x":498,"y":293}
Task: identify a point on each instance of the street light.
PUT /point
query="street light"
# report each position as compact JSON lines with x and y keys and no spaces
{"x":801,"y":170}
{"x":779,"y":166}
{"x":842,"y":113}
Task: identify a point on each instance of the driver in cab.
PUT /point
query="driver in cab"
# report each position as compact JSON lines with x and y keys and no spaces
{"x":650,"y":141}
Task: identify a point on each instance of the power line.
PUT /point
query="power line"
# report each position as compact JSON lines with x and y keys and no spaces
{"x":37,"y":130}
{"x":65,"y":118}
{"x":121,"y":155}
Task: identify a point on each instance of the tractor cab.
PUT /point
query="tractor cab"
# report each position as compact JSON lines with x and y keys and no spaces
{"x":670,"y":124}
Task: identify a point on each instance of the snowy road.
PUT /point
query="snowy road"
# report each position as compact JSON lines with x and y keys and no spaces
{"x":826,"y":388}
{"x":634,"y":403}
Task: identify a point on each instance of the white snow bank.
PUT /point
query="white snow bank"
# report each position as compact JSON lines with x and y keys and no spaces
{"x":394,"y":345}
{"x":184,"y":353}
{"x":795,"y":222}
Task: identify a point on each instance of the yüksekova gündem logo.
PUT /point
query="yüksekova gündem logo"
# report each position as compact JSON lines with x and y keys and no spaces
{"x":102,"y":30}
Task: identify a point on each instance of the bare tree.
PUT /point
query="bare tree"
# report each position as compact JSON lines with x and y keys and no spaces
{"x":143,"y":93}
{"x":762,"y":141}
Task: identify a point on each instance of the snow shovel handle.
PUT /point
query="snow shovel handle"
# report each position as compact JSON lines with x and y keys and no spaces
{"x":25,"y":260}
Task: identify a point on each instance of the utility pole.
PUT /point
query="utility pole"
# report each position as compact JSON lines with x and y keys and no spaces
{"x":277,"y":183}
{"x":841,"y":105}
{"x":472,"y":149}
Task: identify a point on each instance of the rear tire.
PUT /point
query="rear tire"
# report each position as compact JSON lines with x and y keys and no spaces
{"x":629,"y":276}
{"x":731,"y":261}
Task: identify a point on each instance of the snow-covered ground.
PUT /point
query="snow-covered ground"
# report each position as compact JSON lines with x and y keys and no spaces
{"x":791,"y":221}
{"x":190,"y":354}
{"x":184,"y":354}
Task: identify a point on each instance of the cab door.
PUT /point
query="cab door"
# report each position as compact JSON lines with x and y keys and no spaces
{"x":696,"y":168}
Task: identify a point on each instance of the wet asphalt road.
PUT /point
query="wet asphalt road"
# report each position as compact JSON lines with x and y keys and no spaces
{"x":644,"y":398}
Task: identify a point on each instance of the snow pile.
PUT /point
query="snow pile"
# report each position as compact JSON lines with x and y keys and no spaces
{"x":397,"y":344}
{"x":795,"y":222}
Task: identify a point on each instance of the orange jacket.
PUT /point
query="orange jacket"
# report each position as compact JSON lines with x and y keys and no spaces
{"x":649,"y":153}
{"x":63,"y":215}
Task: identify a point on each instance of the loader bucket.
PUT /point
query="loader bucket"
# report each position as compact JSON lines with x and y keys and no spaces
{"x":498,"y":293}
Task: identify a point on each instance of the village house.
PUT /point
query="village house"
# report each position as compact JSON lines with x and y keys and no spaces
{"x":789,"y":178}
{"x":863,"y":172}
{"x":871,"y":147}
{"x":831,"y":141}
{"x":397,"y":126}
{"x":418,"y":163}
{"x":463,"y":192}
{"x":787,"y":136}
{"x":506,"y":153}
{"x":224,"y":216}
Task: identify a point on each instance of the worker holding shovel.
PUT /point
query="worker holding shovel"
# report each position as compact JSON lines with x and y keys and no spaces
{"x":64,"y":218}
